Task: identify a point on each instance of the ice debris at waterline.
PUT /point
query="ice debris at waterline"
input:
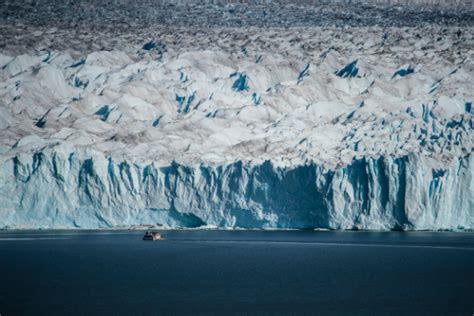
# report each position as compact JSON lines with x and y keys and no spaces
{"x":300,"y":127}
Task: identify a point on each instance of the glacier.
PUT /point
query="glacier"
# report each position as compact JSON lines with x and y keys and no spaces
{"x":305,"y":125}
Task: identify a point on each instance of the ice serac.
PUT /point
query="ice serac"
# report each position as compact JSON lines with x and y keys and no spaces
{"x":57,"y":189}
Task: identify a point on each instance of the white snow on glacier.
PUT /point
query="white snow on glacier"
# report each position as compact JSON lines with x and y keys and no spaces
{"x":361,"y":128}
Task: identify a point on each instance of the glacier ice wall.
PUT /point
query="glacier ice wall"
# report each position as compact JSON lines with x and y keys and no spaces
{"x":57,"y":189}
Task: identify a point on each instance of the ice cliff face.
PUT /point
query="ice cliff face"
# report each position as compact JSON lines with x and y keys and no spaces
{"x":366,"y":127}
{"x":54,"y":189}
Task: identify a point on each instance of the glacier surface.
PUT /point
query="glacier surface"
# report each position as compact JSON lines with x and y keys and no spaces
{"x":301,"y":125}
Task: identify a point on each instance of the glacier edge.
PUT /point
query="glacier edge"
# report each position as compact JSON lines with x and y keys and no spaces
{"x":59,"y":189}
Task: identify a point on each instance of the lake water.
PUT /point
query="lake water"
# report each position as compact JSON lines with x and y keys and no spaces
{"x":236,"y":272}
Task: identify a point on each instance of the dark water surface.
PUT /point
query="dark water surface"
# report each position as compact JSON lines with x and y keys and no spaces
{"x":236,"y":272}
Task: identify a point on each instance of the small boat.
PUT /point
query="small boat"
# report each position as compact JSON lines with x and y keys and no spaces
{"x":149,"y":235}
